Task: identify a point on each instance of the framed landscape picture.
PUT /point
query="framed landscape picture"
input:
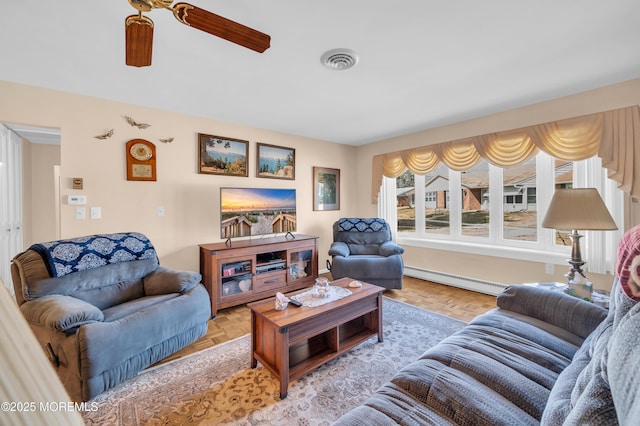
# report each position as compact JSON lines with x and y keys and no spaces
{"x":219,"y":155}
{"x":326,"y":188}
{"x":275,"y":162}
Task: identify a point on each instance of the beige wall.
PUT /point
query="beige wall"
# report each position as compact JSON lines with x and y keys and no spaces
{"x":40,"y":216}
{"x":41,"y":193}
{"x":190,"y":199}
{"x":488,"y":267}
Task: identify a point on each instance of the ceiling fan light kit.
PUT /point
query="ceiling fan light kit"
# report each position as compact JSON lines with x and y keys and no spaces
{"x":139,"y":40}
{"x":139,"y":29}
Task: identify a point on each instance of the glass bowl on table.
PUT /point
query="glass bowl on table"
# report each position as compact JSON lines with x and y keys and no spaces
{"x":321,"y":287}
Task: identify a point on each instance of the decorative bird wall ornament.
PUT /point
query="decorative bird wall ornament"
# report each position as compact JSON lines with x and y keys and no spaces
{"x":168,"y":140}
{"x":133,"y":123}
{"x":105,"y":136}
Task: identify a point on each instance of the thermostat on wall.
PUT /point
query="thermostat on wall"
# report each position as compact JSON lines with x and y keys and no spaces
{"x":77,"y":200}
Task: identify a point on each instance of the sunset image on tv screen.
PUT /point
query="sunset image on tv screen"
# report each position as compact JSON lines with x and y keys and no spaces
{"x":256,"y":211}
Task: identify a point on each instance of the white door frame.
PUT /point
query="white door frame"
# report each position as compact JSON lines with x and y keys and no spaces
{"x":11,"y":226}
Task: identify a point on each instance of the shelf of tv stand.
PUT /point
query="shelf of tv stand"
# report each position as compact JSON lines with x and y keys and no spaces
{"x":271,"y":264}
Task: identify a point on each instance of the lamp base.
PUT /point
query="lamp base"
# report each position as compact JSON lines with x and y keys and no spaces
{"x":576,"y":261}
{"x":575,"y":269}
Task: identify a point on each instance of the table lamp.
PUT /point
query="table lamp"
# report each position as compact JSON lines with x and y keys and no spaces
{"x":573,"y":209}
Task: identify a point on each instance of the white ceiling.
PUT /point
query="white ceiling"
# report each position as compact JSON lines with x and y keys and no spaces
{"x":423,"y":63}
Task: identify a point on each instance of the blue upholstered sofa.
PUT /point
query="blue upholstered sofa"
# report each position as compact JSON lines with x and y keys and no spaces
{"x":362,"y":249}
{"x":103,"y":309}
{"x":541,"y":357}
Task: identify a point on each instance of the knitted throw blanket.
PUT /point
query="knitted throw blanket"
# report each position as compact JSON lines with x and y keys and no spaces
{"x":64,"y":257}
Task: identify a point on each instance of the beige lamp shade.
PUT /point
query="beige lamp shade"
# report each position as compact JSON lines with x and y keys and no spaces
{"x":580,"y":209}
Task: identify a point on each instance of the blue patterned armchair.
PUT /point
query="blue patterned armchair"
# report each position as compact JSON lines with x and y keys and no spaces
{"x":362,"y":249}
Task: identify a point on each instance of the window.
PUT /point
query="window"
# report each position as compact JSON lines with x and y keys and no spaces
{"x":406,"y":200}
{"x":474,"y":209}
{"x":514,"y":200}
{"x":531,"y":195}
{"x":495,"y":210}
{"x":520,"y":211}
{"x":436,"y":208}
{"x":563,"y":178}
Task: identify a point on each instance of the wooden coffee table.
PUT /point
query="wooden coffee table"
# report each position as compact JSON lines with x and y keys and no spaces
{"x":292,"y":342}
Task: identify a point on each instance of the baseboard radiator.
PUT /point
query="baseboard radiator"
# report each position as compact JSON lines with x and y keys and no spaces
{"x":474,"y":284}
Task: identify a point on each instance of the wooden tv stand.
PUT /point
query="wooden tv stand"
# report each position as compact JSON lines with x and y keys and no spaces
{"x":246,"y":270}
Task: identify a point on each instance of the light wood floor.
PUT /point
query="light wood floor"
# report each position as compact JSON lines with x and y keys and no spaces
{"x":457,"y":303}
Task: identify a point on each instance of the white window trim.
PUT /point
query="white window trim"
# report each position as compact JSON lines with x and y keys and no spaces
{"x":598,"y":246}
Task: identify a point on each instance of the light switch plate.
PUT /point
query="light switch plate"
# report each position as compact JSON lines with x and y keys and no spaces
{"x":96,"y":212}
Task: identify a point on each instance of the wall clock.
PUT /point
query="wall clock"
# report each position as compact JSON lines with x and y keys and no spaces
{"x":141,"y":160}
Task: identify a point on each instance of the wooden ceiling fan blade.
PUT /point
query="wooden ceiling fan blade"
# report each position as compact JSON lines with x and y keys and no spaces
{"x":221,"y":27}
{"x":139,"y":40}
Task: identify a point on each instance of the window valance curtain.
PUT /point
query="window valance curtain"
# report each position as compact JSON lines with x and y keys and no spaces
{"x":613,"y":135}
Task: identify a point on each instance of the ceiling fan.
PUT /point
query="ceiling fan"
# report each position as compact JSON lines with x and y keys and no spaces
{"x":139,"y":29}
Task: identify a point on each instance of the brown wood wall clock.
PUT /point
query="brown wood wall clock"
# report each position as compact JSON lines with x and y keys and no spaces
{"x":141,"y":160}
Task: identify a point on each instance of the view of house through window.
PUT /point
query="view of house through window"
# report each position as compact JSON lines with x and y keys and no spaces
{"x":406,"y":200}
{"x":437,"y":200}
{"x":563,"y":179}
{"x":494,"y":204}
{"x":520,"y":211}
{"x":428,"y":194}
{"x":475,"y":211}
{"x":488,"y":207}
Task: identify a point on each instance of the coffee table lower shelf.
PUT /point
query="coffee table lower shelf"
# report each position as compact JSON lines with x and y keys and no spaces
{"x":292,"y":342}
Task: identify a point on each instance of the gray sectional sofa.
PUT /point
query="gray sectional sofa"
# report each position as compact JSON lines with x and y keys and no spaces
{"x":103,"y":309}
{"x":540,"y":357}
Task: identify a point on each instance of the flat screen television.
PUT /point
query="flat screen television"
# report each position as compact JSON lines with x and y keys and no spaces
{"x":246,"y":212}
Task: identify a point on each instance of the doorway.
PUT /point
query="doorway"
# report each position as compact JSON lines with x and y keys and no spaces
{"x":29,"y":190}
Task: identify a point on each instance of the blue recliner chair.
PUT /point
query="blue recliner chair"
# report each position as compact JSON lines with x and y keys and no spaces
{"x":362,"y":249}
{"x":103,"y":308}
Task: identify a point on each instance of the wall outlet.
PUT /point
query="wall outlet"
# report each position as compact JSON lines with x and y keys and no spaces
{"x":160,"y":211}
{"x":549,"y":268}
{"x":81,"y":213}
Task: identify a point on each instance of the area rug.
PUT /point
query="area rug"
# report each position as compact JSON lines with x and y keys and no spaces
{"x":217,"y":385}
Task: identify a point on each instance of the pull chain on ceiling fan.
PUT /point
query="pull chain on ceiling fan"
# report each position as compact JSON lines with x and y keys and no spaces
{"x":139,"y":29}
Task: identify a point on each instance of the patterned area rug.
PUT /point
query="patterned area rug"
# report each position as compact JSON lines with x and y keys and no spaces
{"x":217,"y":386}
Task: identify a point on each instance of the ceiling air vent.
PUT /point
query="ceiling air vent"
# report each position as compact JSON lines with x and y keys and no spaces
{"x":339,"y":59}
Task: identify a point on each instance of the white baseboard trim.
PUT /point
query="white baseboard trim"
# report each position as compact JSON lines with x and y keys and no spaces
{"x":474,"y":284}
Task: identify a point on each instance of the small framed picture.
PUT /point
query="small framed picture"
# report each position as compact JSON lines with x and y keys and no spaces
{"x":275,"y":162}
{"x":326,"y":188}
{"x":219,"y":155}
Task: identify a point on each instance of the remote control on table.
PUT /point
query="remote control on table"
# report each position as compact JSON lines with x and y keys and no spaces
{"x":295,"y":303}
